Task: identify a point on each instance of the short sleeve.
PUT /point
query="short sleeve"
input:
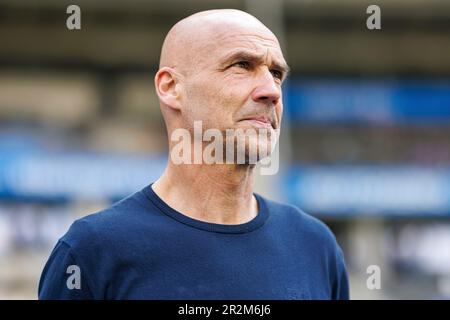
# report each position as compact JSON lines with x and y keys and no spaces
{"x":340,"y":289}
{"x":62,"y":277}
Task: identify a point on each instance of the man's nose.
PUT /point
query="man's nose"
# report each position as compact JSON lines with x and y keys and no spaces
{"x":267,"y":90}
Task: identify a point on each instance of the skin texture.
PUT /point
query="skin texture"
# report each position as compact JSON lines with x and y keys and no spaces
{"x":225,"y":68}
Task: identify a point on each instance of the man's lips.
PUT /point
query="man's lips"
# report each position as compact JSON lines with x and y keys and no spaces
{"x":261,"y":121}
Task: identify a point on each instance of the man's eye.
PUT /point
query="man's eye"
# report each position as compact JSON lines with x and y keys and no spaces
{"x":242,"y":64}
{"x":277,"y":74}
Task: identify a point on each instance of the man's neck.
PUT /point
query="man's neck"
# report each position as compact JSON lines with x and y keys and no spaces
{"x":217,"y":193}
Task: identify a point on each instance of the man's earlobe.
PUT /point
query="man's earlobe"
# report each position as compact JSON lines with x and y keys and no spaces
{"x":167,"y":87}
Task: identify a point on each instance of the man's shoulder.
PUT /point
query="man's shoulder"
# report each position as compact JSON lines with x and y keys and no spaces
{"x":110,"y":224}
{"x":302,"y":223}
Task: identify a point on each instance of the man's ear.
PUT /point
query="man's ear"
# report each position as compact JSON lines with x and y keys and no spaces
{"x":168,"y":86}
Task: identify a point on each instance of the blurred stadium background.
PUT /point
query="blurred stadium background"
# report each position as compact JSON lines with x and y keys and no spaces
{"x":365,"y":147}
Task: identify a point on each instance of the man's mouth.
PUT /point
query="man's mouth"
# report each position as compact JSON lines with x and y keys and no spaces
{"x":260,"y":121}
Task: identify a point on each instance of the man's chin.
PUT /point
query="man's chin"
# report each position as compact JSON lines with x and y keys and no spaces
{"x":252,"y":153}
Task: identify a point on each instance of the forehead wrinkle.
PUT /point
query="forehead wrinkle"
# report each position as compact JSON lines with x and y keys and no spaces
{"x":254,"y":41}
{"x":248,"y":40}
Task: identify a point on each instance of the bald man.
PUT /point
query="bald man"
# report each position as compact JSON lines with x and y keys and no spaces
{"x":199,"y":231}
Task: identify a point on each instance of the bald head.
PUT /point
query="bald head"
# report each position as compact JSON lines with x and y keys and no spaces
{"x":196,"y":36}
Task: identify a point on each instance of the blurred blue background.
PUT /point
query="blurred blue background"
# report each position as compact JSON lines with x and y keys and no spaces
{"x":365,"y":144}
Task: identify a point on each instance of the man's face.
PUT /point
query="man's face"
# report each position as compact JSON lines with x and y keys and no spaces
{"x":236,"y":83}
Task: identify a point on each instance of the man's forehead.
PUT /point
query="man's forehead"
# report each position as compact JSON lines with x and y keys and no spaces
{"x":212,"y":35}
{"x":230,"y":33}
{"x":261,"y":43}
{"x":251,"y":46}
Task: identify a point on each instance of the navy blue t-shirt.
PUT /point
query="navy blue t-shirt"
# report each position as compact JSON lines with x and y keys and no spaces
{"x":140,"y":248}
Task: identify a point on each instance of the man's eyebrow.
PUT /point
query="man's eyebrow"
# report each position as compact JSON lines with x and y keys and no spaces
{"x":250,"y":56}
